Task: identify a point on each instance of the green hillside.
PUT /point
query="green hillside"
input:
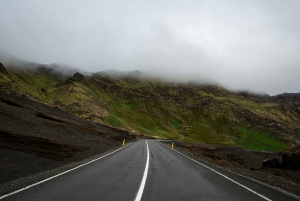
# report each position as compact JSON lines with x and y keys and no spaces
{"x":187,"y":112}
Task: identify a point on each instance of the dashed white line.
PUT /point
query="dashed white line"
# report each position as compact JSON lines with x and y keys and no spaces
{"x":32,"y":185}
{"x":142,"y":186}
{"x":222,"y":175}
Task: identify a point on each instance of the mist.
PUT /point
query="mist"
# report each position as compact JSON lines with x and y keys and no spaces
{"x":247,"y":45}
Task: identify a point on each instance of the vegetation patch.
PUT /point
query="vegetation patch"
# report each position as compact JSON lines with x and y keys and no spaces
{"x":117,"y":104}
{"x":220,"y":124}
{"x":175,"y":123}
{"x":113,"y":121}
{"x":205,"y":114}
{"x":203,"y":132}
{"x":174,"y":92}
{"x":258,"y":141}
{"x":92,"y":95}
{"x":132,"y":106}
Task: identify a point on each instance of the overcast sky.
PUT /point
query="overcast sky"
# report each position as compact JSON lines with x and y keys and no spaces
{"x":241,"y":44}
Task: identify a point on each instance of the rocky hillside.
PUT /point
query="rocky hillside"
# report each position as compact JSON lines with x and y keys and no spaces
{"x":187,"y":112}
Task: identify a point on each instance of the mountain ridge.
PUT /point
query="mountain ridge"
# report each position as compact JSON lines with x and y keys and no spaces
{"x":183,"y":111}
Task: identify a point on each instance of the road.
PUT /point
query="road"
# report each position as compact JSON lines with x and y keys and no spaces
{"x":168,"y":175}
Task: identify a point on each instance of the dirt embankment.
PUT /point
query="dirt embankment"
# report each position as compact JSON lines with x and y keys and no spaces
{"x":279,"y":169}
{"x":43,"y":147}
{"x":35,"y":137}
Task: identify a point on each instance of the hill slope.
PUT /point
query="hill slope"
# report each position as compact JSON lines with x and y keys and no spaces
{"x":187,"y":112}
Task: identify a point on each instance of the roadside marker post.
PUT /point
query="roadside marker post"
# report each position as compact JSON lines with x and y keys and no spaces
{"x":172,"y":146}
{"x":123,"y":142}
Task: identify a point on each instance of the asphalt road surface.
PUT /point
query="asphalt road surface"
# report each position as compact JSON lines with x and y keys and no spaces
{"x":147,"y":170}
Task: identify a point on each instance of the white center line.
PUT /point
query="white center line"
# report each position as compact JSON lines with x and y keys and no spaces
{"x":141,"y":189}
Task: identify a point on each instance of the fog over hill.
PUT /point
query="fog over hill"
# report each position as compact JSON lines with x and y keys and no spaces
{"x":66,"y":71}
{"x":249,"y":45}
{"x":189,"y":111}
{"x":239,"y":130}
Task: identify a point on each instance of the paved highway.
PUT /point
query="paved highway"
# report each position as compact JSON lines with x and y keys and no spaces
{"x":147,"y":170}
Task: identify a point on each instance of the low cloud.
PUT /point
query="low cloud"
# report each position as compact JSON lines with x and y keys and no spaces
{"x":243,"y":44}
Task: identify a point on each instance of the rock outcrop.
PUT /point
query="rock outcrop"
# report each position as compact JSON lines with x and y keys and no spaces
{"x":2,"y":68}
{"x":77,"y":77}
{"x":289,"y":159}
{"x":49,"y":71}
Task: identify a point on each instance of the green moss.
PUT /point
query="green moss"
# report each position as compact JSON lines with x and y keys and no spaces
{"x":132,"y":106}
{"x":206,"y":115}
{"x":201,"y":94}
{"x":258,"y":141}
{"x":220,"y":123}
{"x":31,"y":83}
{"x":175,"y":123}
{"x":174,"y":92}
{"x":113,"y":121}
{"x":117,"y":104}
{"x":92,"y":95}
{"x":202,"y":131}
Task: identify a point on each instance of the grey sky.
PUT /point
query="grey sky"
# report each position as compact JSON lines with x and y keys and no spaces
{"x":240,"y":44}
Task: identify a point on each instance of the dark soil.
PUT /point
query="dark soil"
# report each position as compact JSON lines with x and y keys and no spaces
{"x":15,"y":164}
{"x":35,"y":137}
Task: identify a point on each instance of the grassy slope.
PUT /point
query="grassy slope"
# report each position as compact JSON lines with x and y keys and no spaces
{"x":207,"y":114}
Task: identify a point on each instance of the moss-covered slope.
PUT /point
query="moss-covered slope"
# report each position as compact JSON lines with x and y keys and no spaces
{"x":188,"y":112}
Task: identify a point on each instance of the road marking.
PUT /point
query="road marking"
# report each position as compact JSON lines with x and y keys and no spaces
{"x":221,"y":174}
{"x":141,"y":189}
{"x":35,"y":184}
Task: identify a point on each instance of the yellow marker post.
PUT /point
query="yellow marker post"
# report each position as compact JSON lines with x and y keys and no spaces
{"x":172,"y":146}
{"x":123,"y":142}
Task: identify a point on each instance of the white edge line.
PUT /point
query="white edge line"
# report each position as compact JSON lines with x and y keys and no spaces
{"x":222,"y":175}
{"x":32,"y":185}
{"x":142,"y":186}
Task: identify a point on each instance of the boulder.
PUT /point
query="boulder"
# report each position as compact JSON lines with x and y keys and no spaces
{"x":2,"y":68}
{"x":77,"y":77}
{"x":289,"y":159}
{"x":272,"y":163}
{"x":291,"y":162}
